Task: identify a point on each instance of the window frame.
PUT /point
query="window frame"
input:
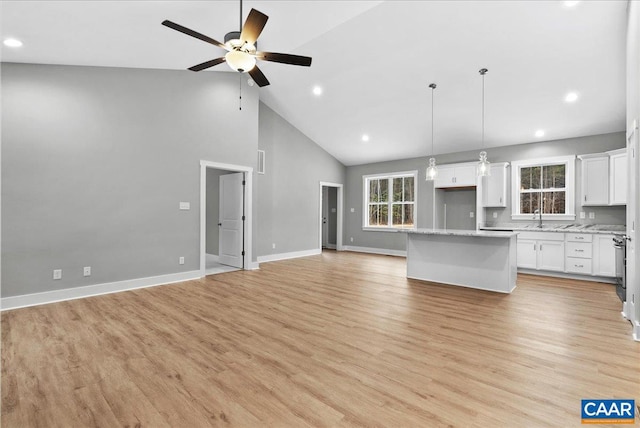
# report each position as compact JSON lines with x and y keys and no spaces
{"x":365,"y":200}
{"x":570,"y":186}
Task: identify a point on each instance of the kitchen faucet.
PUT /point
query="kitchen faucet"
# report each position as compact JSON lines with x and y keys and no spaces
{"x":539,"y":217}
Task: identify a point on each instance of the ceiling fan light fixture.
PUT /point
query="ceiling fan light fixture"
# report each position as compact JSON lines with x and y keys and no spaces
{"x":240,"y":61}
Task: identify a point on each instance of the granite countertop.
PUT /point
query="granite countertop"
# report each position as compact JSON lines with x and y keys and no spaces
{"x":605,"y":229}
{"x":455,"y":232}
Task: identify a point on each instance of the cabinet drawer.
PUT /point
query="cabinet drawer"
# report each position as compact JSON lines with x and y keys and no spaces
{"x":579,"y":237}
{"x":579,"y":249}
{"x":576,"y":265}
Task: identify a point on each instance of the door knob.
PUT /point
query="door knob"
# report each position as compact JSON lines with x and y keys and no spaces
{"x":219,"y":224}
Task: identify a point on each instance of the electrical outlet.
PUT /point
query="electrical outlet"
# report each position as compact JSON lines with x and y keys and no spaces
{"x":582,"y":215}
{"x":495,"y":215}
{"x":592,"y":215}
{"x":57,"y":274}
{"x":351,"y":239}
{"x":181,"y":260}
{"x":87,"y":271}
{"x":471,"y":214}
{"x":273,"y":246}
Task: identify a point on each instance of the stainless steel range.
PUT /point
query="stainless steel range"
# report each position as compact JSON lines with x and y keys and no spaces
{"x":620,"y":244}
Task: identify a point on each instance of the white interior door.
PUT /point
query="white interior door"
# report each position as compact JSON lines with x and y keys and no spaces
{"x":230,"y":220}
{"x":631,"y":308}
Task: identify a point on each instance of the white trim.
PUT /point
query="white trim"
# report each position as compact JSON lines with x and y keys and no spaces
{"x":386,"y":229}
{"x":330,"y":246}
{"x":372,"y":250}
{"x":15,"y":302}
{"x":570,"y":187}
{"x":365,"y":199}
{"x":291,"y":255}
{"x":339,"y":214}
{"x":248,"y":211}
{"x":213,"y":257}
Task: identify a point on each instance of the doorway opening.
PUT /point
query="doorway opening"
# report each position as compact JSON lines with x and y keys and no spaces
{"x":330,"y":228}
{"x":225,"y":218}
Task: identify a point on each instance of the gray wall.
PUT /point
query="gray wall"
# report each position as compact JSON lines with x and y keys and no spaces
{"x":213,"y":209}
{"x":425,"y":191}
{"x":289,"y":191}
{"x":95,"y":161}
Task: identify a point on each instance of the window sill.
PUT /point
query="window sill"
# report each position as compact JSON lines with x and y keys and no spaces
{"x":546,"y":217}
{"x":386,"y":229}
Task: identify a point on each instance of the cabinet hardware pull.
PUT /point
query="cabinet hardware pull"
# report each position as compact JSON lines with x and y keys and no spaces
{"x":579,"y":251}
{"x":579,"y":265}
{"x":585,"y":198}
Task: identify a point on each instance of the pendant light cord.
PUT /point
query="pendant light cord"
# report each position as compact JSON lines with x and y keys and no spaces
{"x":433,"y":87}
{"x":241,"y":15}
{"x":483,"y":71}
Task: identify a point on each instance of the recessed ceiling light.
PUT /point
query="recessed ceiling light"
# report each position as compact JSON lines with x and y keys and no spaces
{"x":539,"y":133}
{"x":570,"y":3}
{"x":571,"y":97}
{"x":317,"y":90}
{"x":12,"y":43}
{"x":365,"y":137}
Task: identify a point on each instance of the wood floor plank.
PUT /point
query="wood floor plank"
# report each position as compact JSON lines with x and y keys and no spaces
{"x":336,"y":340}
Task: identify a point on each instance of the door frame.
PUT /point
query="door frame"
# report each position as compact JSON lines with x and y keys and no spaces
{"x":248,"y":211}
{"x":339,"y":214}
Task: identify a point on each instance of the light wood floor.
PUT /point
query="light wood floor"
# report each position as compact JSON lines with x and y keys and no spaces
{"x":339,"y":339}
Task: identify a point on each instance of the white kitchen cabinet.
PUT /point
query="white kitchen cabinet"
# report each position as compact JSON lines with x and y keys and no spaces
{"x":551,"y":255}
{"x":494,"y":187}
{"x":579,"y":253}
{"x":595,"y":179}
{"x":541,"y":251}
{"x":604,"y":256}
{"x":618,"y":177}
{"x":456,"y":175}
{"x":527,"y":253}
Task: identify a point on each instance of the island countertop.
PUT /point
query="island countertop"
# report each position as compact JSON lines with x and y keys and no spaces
{"x":461,"y":232}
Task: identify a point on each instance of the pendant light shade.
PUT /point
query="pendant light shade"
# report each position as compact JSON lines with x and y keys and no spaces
{"x":484,"y":168}
{"x":432,"y":169}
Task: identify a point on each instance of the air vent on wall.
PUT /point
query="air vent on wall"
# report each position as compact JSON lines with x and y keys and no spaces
{"x":261,"y":162}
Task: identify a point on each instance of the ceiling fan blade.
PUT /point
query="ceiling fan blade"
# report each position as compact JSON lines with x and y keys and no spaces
{"x":207,"y":64}
{"x":258,"y":77}
{"x":284,"y":58}
{"x":192,"y":33}
{"x":253,"y":26}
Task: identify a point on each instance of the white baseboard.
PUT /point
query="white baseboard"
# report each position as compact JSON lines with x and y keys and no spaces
{"x":212,"y":257}
{"x":15,"y":302}
{"x":292,"y":255}
{"x":371,"y":250}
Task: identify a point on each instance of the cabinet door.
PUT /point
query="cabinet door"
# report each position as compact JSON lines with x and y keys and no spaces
{"x":494,"y":187}
{"x":466,"y":175}
{"x":595,"y":181}
{"x":604,"y":256}
{"x":445,"y":178}
{"x":527,"y":249}
{"x":551,"y":255}
{"x":618,"y":179}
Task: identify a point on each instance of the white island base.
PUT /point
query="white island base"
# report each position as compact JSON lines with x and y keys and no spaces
{"x":467,"y":258}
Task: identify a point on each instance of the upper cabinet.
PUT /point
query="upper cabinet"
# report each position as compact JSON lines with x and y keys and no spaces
{"x":604,"y":178}
{"x":618,"y":177}
{"x":456,"y":175}
{"x":595,"y":179}
{"x":494,"y":187}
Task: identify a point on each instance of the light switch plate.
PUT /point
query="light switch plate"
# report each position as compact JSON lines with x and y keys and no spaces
{"x":333,"y":210}
{"x":86,"y":271}
{"x":181,"y":260}
{"x":495,"y":215}
{"x":592,"y":215}
{"x":57,"y":274}
{"x":353,"y":210}
{"x":471,"y":214}
{"x":185,"y":205}
{"x":582,"y":215}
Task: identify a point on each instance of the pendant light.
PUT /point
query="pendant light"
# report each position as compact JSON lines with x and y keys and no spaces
{"x":432,"y":169}
{"x":484,"y":168}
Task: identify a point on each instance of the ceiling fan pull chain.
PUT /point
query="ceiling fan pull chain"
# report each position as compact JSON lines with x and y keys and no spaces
{"x":240,"y":101}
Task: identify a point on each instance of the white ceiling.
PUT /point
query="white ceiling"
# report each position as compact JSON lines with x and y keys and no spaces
{"x":374,"y":61}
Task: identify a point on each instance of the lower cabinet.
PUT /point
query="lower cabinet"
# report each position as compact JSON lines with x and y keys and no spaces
{"x":541,"y":251}
{"x":576,"y":253}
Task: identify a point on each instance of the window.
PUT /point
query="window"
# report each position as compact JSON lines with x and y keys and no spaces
{"x":546,"y":185}
{"x":389,"y":200}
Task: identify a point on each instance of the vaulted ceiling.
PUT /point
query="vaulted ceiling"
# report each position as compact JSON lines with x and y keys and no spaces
{"x":374,"y":61}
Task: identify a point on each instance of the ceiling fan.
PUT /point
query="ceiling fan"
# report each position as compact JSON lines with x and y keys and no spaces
{"x":241,"y":47}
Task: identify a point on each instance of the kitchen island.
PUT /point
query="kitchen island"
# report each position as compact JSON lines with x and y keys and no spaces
{"x":467,"y":258}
